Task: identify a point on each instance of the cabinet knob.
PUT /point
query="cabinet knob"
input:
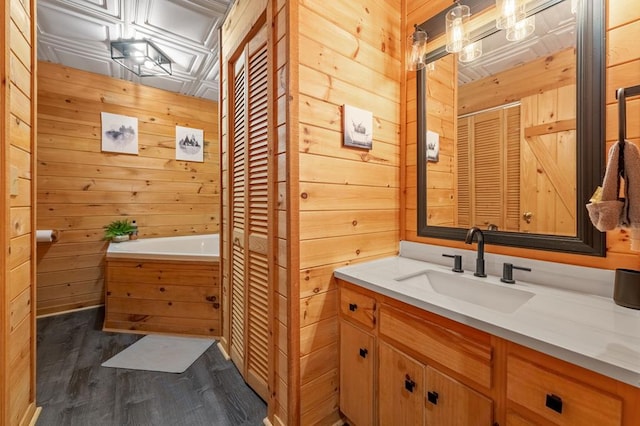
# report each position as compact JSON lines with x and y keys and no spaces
{"x":409,"y":384}
{"x":353,"y":307}
{"x":363,"y":352}
{"x":432,"y":397}
{"x":554,"y":402}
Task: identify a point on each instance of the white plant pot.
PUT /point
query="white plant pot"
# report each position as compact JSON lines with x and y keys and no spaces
{"x":120,"y":238}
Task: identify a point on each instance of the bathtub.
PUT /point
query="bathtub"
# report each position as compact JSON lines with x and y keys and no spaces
{"x":164,"y":285}
{"x":193,"y":248}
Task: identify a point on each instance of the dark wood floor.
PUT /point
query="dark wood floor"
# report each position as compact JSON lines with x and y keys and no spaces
{"x":73,"y":389}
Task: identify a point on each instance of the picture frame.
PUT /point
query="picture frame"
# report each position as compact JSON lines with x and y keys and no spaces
{"x":433,"y":146}
{"x":119,"y":133}
{"x":189,"y":144}
{"x":357,"y":126}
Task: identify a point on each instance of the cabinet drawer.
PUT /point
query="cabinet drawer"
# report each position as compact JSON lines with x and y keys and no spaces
{"x":557,"y":398}
{"x":358,"y":307}
{"x":446,"y":347}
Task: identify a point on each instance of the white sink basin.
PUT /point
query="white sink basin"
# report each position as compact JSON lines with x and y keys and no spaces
{"x":497,"y":297}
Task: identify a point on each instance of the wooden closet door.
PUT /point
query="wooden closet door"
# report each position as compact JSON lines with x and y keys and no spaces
{"x":257,"y":262}
{"x":238,"y":216}
{"x":250,"y":215}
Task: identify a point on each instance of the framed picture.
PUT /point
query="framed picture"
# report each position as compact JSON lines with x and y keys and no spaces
{"x":189,"y":144}
{"x":119,"y":133}
{"x":433,"y":146}
{"x":358,"y":127}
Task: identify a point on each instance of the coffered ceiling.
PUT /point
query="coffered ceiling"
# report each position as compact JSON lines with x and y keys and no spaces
{"x":77,"y":33}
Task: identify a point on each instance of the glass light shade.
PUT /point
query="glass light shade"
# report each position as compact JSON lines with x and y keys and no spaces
{"x":416,"y":50}
{"x":141,"y":57}
{"x":470,"y":52}
{"x":522,"y":29}
{"x":456,"y":22}
{"x":509,"y":12}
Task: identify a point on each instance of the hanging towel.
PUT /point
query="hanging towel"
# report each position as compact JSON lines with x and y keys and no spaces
{"x":605,"y":214}
{"x":612,"y":211}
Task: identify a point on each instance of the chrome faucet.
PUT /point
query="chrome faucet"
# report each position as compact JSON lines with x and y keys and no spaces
{"x":480,"y":259}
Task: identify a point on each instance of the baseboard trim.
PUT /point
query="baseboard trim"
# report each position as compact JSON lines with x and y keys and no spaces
{"x":34,"y":418}
{"x":224,"y":353}
{"x":53,"y":314}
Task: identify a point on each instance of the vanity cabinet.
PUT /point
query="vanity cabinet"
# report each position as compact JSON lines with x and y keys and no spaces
{"x":357,"y":360}
{"x":401,"y":380}
{"x":542,"y":391}
{"x":421,"y":368}
{"x":398,"y":367}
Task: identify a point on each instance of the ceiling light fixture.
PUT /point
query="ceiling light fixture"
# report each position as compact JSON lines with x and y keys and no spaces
{"x":522,"y":29}
{"x":510,"y":12}
{"x":416,"y":49}
{"x":141,"y":57}
{"x":470,"y":52}
{"x":456,"y":26}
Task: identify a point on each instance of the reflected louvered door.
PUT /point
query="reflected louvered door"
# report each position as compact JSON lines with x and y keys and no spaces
{"x":257,"y":335}
{"x":463,"y":150}
{"x":238,"y":214}
{"x":250,"y":266}
{"x":487,"y":179}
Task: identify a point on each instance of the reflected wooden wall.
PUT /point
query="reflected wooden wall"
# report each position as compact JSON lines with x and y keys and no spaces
{"x":81,"y":189}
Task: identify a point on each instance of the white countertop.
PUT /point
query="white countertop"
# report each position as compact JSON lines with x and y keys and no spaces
{"x":585,"y":329}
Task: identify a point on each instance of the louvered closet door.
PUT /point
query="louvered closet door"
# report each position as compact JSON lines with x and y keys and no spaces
{"x":250,"y":267}
{"x":238,"y":215}
{"x":258,"y":220}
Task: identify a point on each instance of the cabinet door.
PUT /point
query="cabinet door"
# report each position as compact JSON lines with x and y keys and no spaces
{"x":401,"y":391}
{"x":449,"y":402}
{"x":356,"y":374}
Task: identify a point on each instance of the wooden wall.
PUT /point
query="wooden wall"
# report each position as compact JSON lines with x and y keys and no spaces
{"x":347,"y":52}
{"x":17,"y":200}
{"x":623,"y":69}
{"x":442,"y":90}
{"x":81,"y":189}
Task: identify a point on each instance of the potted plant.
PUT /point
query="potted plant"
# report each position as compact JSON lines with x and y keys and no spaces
{"x":118,"y":230}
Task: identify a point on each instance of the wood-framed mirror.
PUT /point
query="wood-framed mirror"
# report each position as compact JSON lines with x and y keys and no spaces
{"x":449,"y":204}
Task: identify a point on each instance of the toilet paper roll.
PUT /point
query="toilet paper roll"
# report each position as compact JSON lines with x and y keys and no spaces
{"x":46,"y":235}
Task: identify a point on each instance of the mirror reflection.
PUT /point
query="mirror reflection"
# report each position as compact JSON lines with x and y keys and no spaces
{"x":505,"y":129}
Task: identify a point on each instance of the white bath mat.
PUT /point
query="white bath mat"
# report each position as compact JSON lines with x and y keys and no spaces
{"x":170,"y":354}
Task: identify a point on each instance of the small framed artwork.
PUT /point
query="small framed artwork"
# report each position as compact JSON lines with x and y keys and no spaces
{"x":189,"y":144}
{"x":119,"y":133}
{"x":433,"y":146}
{"x":358,"y":127}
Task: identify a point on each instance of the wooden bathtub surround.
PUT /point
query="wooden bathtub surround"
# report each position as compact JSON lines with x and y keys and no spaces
{"x":420,"y":368}
{"x":146,"y":296}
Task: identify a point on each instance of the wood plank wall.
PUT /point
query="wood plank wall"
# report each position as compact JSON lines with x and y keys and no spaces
{"x":623,"y":69}
{"x":81,"y":189}
{"x":17,"y":201}
{"x":347,"y":52}
{"x":283,"y":325}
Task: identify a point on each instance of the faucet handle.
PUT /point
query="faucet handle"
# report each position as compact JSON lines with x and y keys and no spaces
{"x":457,"y":262}
{"x":507,"y":272}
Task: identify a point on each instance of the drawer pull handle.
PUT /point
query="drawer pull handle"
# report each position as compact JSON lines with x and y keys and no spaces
{"x":363,"y":352}
{"x":353,"y":307}
{"x":409,"y":384}
{"x":554,"y":402}
{"x":432,"y":397}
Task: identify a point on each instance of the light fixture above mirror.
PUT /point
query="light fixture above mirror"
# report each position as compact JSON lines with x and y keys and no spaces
{"x":457,"y":28}
{"x":417,"y":50}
